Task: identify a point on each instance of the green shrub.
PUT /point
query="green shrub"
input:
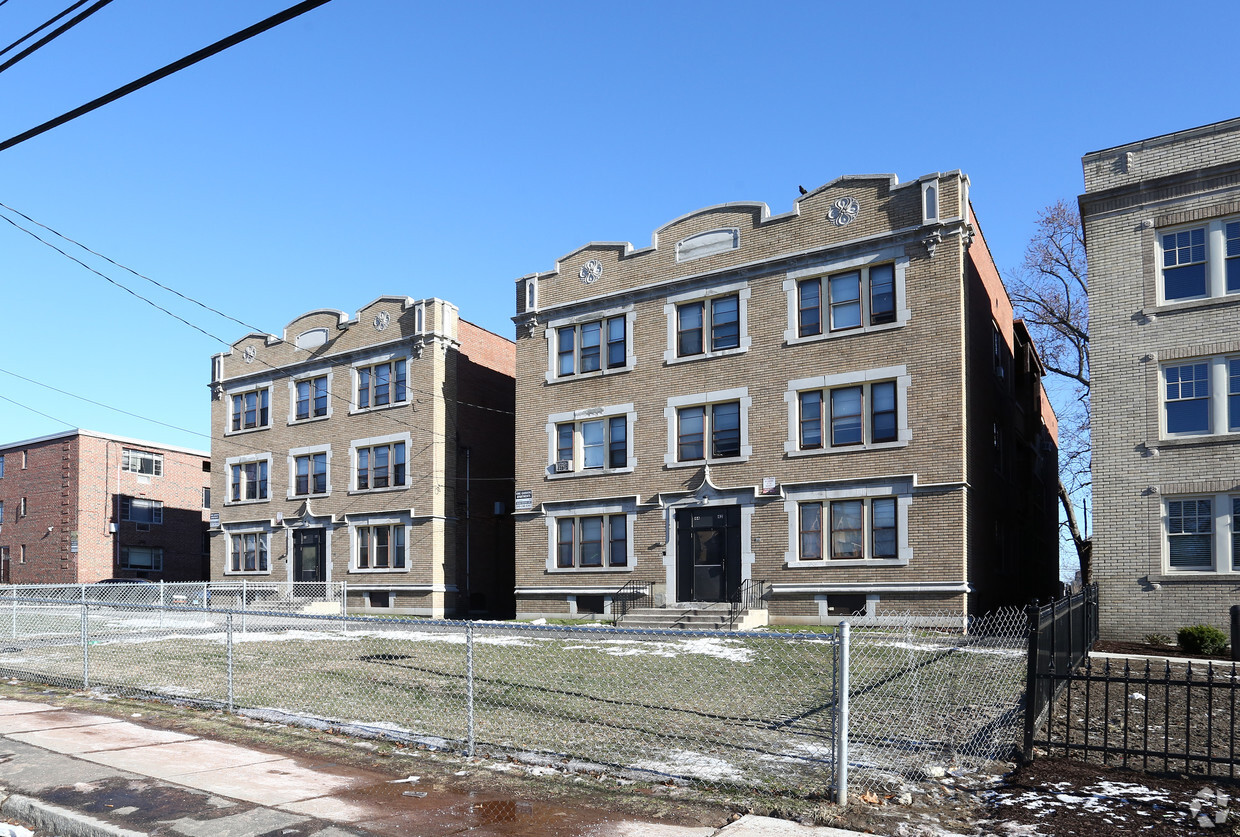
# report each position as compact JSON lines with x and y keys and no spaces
{"x":1202,"y":639}
{"x":1157,"y":639}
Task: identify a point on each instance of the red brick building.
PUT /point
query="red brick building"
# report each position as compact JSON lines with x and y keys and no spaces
{"x":80,"y":506}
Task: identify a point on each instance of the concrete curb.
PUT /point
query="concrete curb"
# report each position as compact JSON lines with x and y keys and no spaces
{"x":60,"y":821}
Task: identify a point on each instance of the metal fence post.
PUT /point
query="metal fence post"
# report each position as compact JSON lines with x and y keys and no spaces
{"x":1031,"y":678}
{"x":469,"y":686}
{"x":228,"y":631}
{"x":841,"y":704}
{"x":244,"y":598}
{"x":85,"y":647}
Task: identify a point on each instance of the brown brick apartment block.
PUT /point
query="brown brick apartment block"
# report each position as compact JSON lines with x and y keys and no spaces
{"x":1162,"y":229}
{"x":375,"y":451}
{"x":834,"y":401}
{"x":80,"y":506}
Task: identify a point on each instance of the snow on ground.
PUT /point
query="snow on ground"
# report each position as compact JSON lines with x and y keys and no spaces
{"x":689,"y":763}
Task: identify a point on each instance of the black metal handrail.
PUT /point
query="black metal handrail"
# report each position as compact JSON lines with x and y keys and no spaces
{"x":631,"y":596}
{"x":746,"y":595}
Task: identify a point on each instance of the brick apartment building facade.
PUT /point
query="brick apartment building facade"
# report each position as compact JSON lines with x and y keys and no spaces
{"x":1162,"y":227}
{"x":80,"y":506}
{"x":375,"y":451}
{"x":835,"y":401}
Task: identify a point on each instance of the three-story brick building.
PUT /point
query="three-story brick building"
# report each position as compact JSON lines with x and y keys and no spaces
{"x":834,"y":401}
{"x":374,"y":450}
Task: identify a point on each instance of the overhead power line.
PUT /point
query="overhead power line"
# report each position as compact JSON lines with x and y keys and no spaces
{"x":54,"y":34}
{"x":176,"y":66}
{"x":41,"y":26}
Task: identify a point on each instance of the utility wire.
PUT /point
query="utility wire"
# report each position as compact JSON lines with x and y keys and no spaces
{"x":64,"y":237}
{"x":167,"y":70}
{"x":41,"y":26}
{"x":53,"y":35}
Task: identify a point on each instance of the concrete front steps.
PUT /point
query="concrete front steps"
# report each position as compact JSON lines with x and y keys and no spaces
{"x":711,"y":616}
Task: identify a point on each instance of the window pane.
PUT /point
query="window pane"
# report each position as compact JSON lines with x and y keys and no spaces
{"x":564,"y":542}
{"x":845,"y":291}
{"x":883,"y":412}
{"x":592,"y":444}
{"x":398,"y":547}
{"x":566,"y":338}
{"x":1233,"y":396}
{"x":363,"y":468}
{"x":363,"y":387}
{"x":811,"y":531}
{"x":564,"y":442}
{"x":616,"y":347}
{"x":846,"y":529}
{"x":618,"y":548}
{"x":398,"y":463}
{"x":689,"y":329}
{"x":809,"y":313}
{"x":382,"y":384}
{"x":846,"y":416}
{"x":320,"y":396}
{"x":1184,"y":282}
{"x":1235,"y":534}
{"x":398,"y":381}
{"x":691,"y":423}
{"x":726,"y":429}
{"x":617,"y":443}
{"x":725,"y":323}
{"x":320,"y":473}
{"x":302,"y":482}
{"x":591,"y":541}
{"x":590,"y":335}
{"x":883,"y":294}
{"x":379,"y":473}
{"x":883,"y":512}
{"x":811,"y":420}
{"x":1188,"y":398}
{"x":363,"y":547}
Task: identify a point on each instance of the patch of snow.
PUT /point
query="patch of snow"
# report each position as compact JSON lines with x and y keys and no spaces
{"x":689,"y":763}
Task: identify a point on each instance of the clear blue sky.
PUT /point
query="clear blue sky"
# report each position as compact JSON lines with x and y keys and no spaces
{"x":389,"y":146}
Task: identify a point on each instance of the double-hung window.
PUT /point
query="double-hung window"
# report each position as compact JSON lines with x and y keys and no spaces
{"x":849,"y":300}
{"x":248,"y":480}
{"x":854,"y":528}
{"x":381,"y":384}
{"x":713,"y":429}
{"x":592,"y":445}
{"x":863,"y":413}
{"x":591,"y":541}
{"x":310,"y":398}
{"x":142,"y":462}
{"x":1190,"y":534}
{"x":310,"y":473}
{"x":380,"y":464}
{"x":248,"y":552}
{"x":380,"y":547}
{"x":251,"y":409}
{"x":592,"y":346}
{"x":1201,"y":396}
{"x":712,"y":325}
{"x":141,"y":510}
{"x":1199,"y":262}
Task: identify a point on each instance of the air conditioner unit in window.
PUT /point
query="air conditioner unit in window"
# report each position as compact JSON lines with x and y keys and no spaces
{"x":563,"y":466}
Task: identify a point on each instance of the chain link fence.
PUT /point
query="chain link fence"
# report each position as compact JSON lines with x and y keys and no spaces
{"x":755,"y":712}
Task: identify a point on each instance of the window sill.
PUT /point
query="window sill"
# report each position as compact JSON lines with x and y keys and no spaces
{"x":553,"y":378}
{"x":310,"y":420}
{"x":1186,"y":441}
{"x":292,"y":497}
{"x":670,"y":359}
{"x":388,"y":490}
{"x":1210,"y":576}
{"x":356,"y":411}
{"x":377,"y":570}
{"x":591,"y":472}
{"x":846,"y":562}
{"x":243,"y":431}
{"x":1187,"y":305}
{"x":580,"y":570}
{"x":246,"y":572}
{"x":790,"y":340}
{"x":838,"y":449}
{"x":231,"y":503}
{"x":698,"y":463}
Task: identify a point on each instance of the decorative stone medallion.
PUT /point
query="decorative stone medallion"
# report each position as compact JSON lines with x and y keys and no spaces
{"x":248,"y":354}
{"x":591,"y":271}
{"x":381,"y":320}
{"x":843,"y":211}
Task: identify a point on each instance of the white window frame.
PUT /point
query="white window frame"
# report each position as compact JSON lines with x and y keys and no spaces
{"x":706,"y":399}
{"x":230,"y":394}
{"x":291,"y":460}
{"x":1223,"y":560}
{"x":128,"y":455}
{"x":795,"y":496}
{"x":891,"y":255}
{"x":380,"y":441}
{"x":157,"y":558}
{"x":403,"y":520}
{"x":1219,"y":382}
{"x":1215,"y":259}
{"x":262,"y":534}
{"x":672,"y":303}
{"x":355,"y":371}
{"x":604,"y":510}
{"x":292,"y":396}
{"x":579,"y":417}
{"x":243,"y":460}
{"x":825,"y":383}
{"x":552,"y":336}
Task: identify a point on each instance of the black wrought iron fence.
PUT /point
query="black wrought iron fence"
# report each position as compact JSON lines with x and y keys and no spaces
{"x":1061,"y":634}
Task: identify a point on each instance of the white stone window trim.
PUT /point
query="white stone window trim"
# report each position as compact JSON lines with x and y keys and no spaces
{"x":241,"y":460}
{"x":374,"y":360}
{"x":552,"y":332}
{"x":1216,"y":261}
{"x":1219,"y":382}
{"x":577,"y":417}
{"x":292,"y":395}
{"x":742,"y":292}
{"x":824,"y":270}
{"x":402,"y":518}
{"x":1222,"y":561}
{"x":370,"y":443}
{"x":246,"y":529}
{"x":628,"y":509}
{"x":292,"y":471}
{"x":899,"y":374}
{"x":794,"y":497}
{"x":242,"y":390}
{"x":705,"y":399}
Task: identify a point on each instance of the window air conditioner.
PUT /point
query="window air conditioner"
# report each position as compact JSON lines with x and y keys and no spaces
{"x":563,"y":466}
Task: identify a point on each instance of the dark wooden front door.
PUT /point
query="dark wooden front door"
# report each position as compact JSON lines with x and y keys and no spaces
{"x":309,"y":560}
{"x":708,"y":553}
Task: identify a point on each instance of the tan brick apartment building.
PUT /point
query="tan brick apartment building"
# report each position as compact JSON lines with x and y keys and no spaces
{"x":1162,"y":228}
{"x":834,"y":401}
{"x":375,"y":451}
{"x":80,"y":506}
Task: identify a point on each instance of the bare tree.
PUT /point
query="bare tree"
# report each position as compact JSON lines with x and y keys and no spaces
{"x":1051,"y":294}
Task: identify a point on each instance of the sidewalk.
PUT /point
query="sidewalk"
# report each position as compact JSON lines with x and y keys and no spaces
{"x":76,"y":774}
